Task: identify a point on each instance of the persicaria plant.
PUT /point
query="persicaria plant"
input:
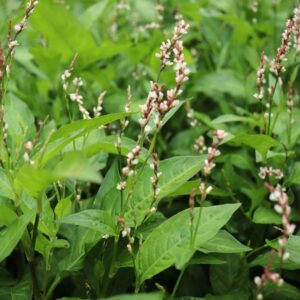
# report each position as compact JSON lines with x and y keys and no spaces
{"x":149,"y":150}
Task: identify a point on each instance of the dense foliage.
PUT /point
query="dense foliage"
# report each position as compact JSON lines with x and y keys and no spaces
{"x":149,"y":149}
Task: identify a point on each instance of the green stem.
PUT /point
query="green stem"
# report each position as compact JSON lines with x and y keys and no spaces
{"x":177,"y":282}
{"x":270,"y":107}
{"x":197,"y":226}
{"x":36,"y":290}
{"x":52,"y":288}
{"x":112,"y":263}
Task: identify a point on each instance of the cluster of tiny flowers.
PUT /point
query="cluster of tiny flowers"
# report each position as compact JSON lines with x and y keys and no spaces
{"x":155,"y":179}
{"x":296,"y":30}
{"x":124,"y":122}
{"x":126,"y":232}
{"x":213,"y":151}
{"x":191,"y":116}
{"x":166,"y":48}
{"x":204,"y":190}
{"x":132,"y":160}
{"x":155,"y":96}
{"x":155,"y":101}
{"x":76,"y":97}
{"x":123,"y":5}
{"x":260,"y":77}
{"x":29,"y":10}
{"x":28,"y":148}
{"x":199,"y":144}
{"x":267,"y":276}
{"x":279,"y":196}
{"x":264,"y":171}
{"x":98,"y":109}
{"x":276,"y":65}
{"x":182,"y":71}
{"x":160,"y":11}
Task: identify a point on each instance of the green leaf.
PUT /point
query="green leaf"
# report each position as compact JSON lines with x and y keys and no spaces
{"x":59,"y":33}
{"x":187,"y":187}
{"x":7,"y":215}
{"x":150,"y":296}
{"x":33,"y":180}
{"x":21,"y":291}
{"x":223,"y":242}
{"x":108,"y":197}
{"x":75,"y":165}
{"x":63,"y":207}
{"x":265,"y":215}
{"x":294,"y":176}
{"x":20,"y":121}
{"x":6,"y":189}
{"x":81,"y":240}
{"x":231,"y":84}
{"x":11,"y":235}
{"x":68,"y":133}
{"x":92,"y":13}
{"x":259,"y":142}
{"x":234,"y":118}
{"x":206,"y":259}
{"x":98,"y":220}
{"x":234,"y":275}
{"x":293,"y":247}
{"x":170,"y":242}
{"x":175,"y":172}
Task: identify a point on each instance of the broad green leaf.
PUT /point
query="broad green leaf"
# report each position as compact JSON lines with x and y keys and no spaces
{"x":150,"y":296}
{"x":20,"y":121}
{"x":97,"y":220}
{"x":187,"y":187}
{"x":175,"y":172}
{"x":7,"y":215}
{"x":231,"y":84}
{"x":286,"y":292}
{"x":240,"y":295}
{"x":234,"y":275}
{"x":108,"y":144}
{"x":75,"y":165}
{"x":223,"y":242}
{"x":92,"y":13}
{"x":170,"y":242}
{"x":6,"y":189}
{"x":265,"y":215}
{"x":33,"y":180}
{"x":63,"y":207}
{"x":81,"y":241}
{"x":22,"y":290}
{"x":233,"y":118}
{"x":68,"y":133}
{"x":108,"y":197}
{"x":259,"y":142}
{"x":11,"y":235}
{"x":59,"y":33}
{"x":293,"y":247}
{"x":294,"y":176}
{"x":206,"y":259}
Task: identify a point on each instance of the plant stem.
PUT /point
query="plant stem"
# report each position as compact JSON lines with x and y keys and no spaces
{"x":52,"y":287}
{"x":109,"y":273}
{"x":270,"y":107}
{"x":36,"y":290}
{"x":177,"y":282}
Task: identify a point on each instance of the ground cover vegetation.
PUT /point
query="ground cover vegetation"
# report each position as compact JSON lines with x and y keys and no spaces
{"x":149,"y":149}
